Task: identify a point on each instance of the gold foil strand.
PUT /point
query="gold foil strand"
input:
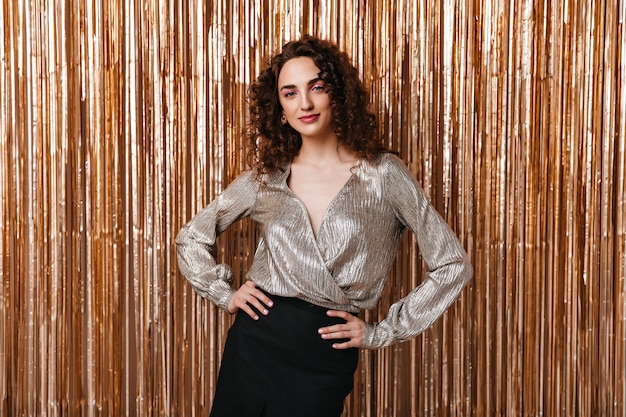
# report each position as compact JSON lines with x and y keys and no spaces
{"x":620,"y":192}
{"x":120,"y":120}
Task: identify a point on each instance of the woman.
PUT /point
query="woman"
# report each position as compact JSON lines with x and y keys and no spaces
{"x":331,"y":206}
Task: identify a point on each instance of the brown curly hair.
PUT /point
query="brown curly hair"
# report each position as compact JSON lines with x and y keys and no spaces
{"x":273,"y":145}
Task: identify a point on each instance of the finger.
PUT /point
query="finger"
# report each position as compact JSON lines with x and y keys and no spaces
{"x":246,"y":302}
{"x":258,"y":300}
{"x":249,"y":311}
{"x":341,"y":314}
{"x":342,"y":334}
{"x":258,"y":305}
{"x":262,"y":297}
{"x":348,"y":339}
{"x":352,"y":343}
{"x":248,"y":295}
{"x":250,"y":288}
{"x":352,"y":323}
{"x":335,"y":328}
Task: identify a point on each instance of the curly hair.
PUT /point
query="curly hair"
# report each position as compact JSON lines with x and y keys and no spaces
{"x":273,"y":145}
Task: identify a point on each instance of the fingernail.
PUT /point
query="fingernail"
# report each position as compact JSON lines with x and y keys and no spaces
{"x":323,"y":336}
{"x":320,"y":331}
{"x":256,"y":317}
{"x":270,"y":303}
{"x":266,"y":312}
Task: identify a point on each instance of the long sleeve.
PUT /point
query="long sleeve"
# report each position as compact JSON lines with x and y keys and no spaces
{"x":196,"y":241}
{"x":448,"y":265}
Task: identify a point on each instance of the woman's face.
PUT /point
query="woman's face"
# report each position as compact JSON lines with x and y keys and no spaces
{"x":304,"y":99}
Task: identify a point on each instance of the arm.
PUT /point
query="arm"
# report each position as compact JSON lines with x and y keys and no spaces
{"x":196,"y":241}
{"x":448,"y":265}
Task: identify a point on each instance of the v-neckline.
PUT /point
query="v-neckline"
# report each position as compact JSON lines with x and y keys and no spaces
{"x":315,"y":234}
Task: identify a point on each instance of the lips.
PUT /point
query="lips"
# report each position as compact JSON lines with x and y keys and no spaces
{"x":309,"y":118}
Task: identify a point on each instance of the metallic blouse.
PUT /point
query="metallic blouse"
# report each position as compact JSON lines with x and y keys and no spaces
{"x":346,"y":266}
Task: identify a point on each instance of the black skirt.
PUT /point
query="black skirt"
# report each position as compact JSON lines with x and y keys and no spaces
{"x":279,"y":366}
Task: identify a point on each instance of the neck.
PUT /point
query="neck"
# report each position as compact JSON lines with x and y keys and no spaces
{"x":322,"y":153}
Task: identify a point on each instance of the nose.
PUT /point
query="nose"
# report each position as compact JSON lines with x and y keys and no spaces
{"x":306,"y":103}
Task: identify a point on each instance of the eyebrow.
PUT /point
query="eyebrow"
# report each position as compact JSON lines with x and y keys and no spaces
{"x":290,"y":86}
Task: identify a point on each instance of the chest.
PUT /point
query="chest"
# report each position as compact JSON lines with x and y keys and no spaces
{"x":318,"y":192}
{"x":355,"y":210}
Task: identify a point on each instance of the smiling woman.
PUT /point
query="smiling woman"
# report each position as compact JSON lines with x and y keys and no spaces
{"x":331,"y":206}
{"x":305,"y":102}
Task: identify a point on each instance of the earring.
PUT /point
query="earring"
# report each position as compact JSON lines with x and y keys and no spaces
{"x":283,"y":119}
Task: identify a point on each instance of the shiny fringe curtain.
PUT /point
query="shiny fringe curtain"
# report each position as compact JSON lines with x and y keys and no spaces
{"x":119,"y":120}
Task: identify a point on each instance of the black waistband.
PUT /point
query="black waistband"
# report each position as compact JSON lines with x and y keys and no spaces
{"x":299,"y":303}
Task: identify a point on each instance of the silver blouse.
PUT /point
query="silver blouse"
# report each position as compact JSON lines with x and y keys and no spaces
{"x":347,"y":265}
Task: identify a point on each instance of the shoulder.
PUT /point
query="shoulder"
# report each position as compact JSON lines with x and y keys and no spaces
{"x":260,"y":180}
{"x":394,"y":176}
{"x":246,"y":182}
{"x":246,"y":177}
{"x":386,"y":164}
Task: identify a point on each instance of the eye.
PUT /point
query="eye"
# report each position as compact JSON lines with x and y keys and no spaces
{"x":318,"y":87}
{"x":289,"y":93}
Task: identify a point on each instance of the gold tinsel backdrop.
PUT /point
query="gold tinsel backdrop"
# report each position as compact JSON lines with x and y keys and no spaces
{"x":119,"y":120}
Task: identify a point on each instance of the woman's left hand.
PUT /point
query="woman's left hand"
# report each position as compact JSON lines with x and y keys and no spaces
{"x":353,"y":329}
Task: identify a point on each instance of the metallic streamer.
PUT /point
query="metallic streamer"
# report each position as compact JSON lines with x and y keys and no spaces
{"x":120,"y":120}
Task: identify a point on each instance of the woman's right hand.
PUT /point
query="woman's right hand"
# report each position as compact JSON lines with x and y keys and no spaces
{"x":249,"y":295}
